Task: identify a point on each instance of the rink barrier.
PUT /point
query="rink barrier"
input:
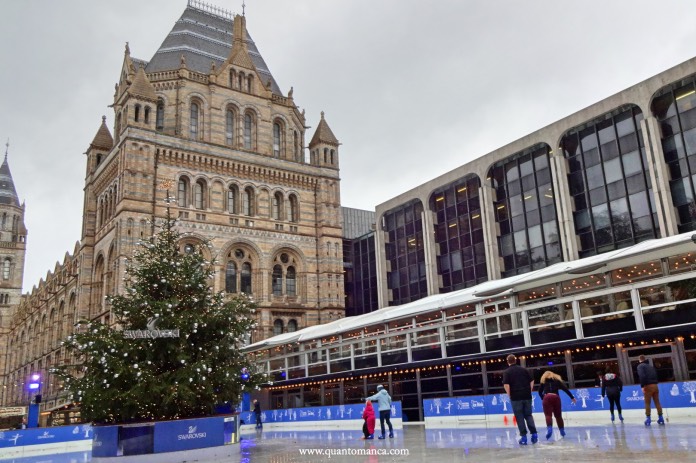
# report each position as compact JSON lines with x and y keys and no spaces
{"x":18,"y":443}
{"x":338,"y":416}
{"x":164,"y":436}
{"x":678,"y":400}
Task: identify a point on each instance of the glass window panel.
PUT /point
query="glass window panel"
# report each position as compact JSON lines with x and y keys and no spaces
{"x":535,"y":236}
{"x":690,"y":141}
{"x":612,"y":170}
{"x":600,"y":215}
{"x":595,"y":177}
{"x":520,"y":241}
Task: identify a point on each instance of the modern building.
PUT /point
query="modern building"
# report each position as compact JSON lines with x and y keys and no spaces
{"x":359,"y":265}
{"x":571,"y":246}
{"x":204,"y":122}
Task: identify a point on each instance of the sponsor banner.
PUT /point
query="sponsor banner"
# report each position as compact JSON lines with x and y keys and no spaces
{"x":672,"y":395}
{"x":39,"y":436}
{"x":173,"y":436}
{"x":105,"y":443}
{"x":12,"y":411}
{"x":329,"y":413}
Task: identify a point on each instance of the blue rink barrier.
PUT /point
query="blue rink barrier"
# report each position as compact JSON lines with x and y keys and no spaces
{"x":165,"y":436}
{"x":312,"y":415}
{"x":45,"y":436}
{"x":678,"y":395}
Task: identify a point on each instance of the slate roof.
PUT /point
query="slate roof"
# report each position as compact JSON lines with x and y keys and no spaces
{"x":203,"y":37}
{"x":8,"y":194}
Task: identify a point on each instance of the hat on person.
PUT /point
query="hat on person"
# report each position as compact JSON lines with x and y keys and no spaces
{"x":380,"y":387}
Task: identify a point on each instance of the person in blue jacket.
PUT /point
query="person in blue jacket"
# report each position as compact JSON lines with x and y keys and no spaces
{"x":384,"y":404}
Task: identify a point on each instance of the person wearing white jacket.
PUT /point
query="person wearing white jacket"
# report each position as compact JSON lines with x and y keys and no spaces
{"x":384,"y":402}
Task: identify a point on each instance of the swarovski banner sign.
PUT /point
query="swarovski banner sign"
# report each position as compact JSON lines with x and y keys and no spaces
{"x":172,"y":436}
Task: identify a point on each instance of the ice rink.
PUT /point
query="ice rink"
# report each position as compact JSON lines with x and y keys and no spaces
{"x":619,"y":442}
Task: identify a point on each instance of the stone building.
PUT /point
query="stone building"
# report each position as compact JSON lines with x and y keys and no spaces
{"x":204,"y":122}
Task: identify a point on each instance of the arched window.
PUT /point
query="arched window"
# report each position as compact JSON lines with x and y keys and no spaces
{"x":276,"y":139}
{"x":231,"y":277}
{"x":249,"y":83}
{"x":277,"y":280}
{"x":292,"y":326}
{"x":277,"y":327}
{"x":291,"y":209}
{"x":6,"y":265}
{"x":248,"y":130}
{"x":236,"y":280}
{"x":248,"y":202}
{"x":199,"y":195}
{"x":229,"y":127}
{"x":331,"y":158}
{"x":137,"y":113}
{"x":182,"y":196}
{"x":290,"y":287}
{"x":276,"y":206}
{"x":146,"y":115}
{"x":232,"y":194}
{"x":232,"y":76}
{"x":246,"y":278}
{"x":240,"y":80}
{"x":326,"y":155}
{"x":160,"y":116}
{"x":193,"y":122}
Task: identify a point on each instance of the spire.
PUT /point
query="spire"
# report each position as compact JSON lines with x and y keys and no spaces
{"x":103,"y":139}
{"x":8,"y":194}
{"x":323,"y":134}
{"x":141,"y":86}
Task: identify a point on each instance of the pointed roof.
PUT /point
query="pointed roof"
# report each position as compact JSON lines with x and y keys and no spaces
{"x":204,"y":34}
{"x":240,"y":52}
{"x":8,"y":194}
{"x":323,"y":134}
{"x":141,"y":86}
{"x":103,"y":139}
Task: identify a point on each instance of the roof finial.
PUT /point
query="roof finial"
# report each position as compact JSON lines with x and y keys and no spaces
{"x":103,"y":119}
{"x":243,"y":6}
{"x":7,"y":148}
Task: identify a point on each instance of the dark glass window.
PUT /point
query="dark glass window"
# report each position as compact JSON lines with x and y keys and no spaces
{"x":458,"y":229}
{"x":675,"y":109}
{"x":610,"y":184}
{"x":404,"y":228}
{"x":530,"y":239}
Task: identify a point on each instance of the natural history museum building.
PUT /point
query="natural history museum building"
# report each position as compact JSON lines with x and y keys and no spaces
{"x":572,"y":247}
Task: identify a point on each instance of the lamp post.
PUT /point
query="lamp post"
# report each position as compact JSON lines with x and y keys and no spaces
{"x":34,"y":407}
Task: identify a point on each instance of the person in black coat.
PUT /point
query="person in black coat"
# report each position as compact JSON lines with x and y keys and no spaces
{"x":611,"y":388}
{"x":549,"y":386}
{"x":257,"y":413}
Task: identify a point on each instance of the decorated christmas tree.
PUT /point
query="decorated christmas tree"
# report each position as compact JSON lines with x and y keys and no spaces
{"x":174,"y":351}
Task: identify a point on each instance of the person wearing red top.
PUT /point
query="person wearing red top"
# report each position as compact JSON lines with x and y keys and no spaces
{"x":369,"y":417}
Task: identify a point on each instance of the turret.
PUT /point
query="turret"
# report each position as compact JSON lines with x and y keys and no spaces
{"x":323,"y":148}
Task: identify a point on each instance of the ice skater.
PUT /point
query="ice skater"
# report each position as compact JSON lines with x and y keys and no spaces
{"x":369,"y":424}
{"x":647,"y":374}
{"x":257,"y":413}
{"x":384,"y":401}
{"x":611,"y":388}
{"x":549,"y":386}
{"x":518,"y":384}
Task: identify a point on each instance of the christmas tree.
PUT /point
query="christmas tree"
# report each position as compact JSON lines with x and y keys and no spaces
{"x":174,"y":351}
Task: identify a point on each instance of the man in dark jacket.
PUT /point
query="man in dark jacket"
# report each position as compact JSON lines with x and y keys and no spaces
{"x":518,"y":384}
{"x":647,"y":374}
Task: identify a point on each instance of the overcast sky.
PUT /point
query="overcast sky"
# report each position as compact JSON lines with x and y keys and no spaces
{"x":411,"y":88}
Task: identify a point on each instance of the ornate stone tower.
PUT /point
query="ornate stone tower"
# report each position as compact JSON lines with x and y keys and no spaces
{"x":206,"y":117}
{"x":13,"y":236}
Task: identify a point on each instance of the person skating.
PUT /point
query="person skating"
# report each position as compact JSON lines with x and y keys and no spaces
{"x":384,"y":405}
{"x":369,"y":424}
{"x":611,"y":388}
{"x":647,"y":374}
{"x":549,"y":386}
{"x":257,"y":413}
{"x":518,"y":384}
